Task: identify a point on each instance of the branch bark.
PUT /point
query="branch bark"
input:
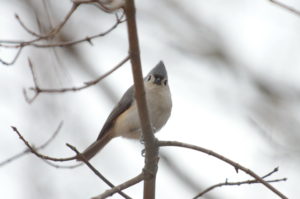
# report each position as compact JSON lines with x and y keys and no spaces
{"x":282,"y":5}
{"x":97,"y":173}
{"x":226,"y":183}
{"x":121,"y":187}
{"x":234,"y":164}
{"x":151,"y":147}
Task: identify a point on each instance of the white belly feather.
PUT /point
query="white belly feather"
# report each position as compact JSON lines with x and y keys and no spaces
{"x":159,"y":107}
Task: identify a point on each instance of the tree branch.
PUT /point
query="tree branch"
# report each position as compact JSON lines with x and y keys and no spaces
{"x":218,"y":156}
{"x":34,"y":151}
{"x":26,"y":151}
{"x":151,"y":148}
{"x":37,"y":90}
{"x":96,"y":172}
{"x":53,"y":32}
{"x":20,"y":44}
{"x":282,"y":5}
{"x":120,"y":187}
{"x":226,"y":183}
{"x":14,"y":59}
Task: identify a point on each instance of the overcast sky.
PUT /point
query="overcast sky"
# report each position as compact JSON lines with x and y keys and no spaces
{"x":233,"y":71}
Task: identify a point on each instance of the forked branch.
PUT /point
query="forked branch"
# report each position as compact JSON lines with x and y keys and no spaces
{"x":236,"y":165}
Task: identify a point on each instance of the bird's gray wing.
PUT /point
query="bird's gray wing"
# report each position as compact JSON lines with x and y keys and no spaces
{"x":123,"y":105}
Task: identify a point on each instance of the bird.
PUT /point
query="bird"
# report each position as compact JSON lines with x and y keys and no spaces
{"x":124,"y":119}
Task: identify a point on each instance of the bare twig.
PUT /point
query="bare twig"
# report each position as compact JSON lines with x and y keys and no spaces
{"x":26,"y":151}
{"x":14,"y":59}
{"x":86,"y":39}
{"x":37,"y":90}
{"x":36,"y":86}
{"x":25,"y":27}
{"x":151,"y":147}
{"x":63,"y":166}
{"x":226,"y":183}
{"x":48,"y":35}
{"x":122,"y":186}
{"x":35,"y":152}
{"x":19,"y":44}
{"x":53,"y":32}
{"x":37,"y":41}
{"x":56,"y":29}
{"x":218,"y":156}
{"x":96,"y":172}
{"x":234,"y":183}
{"x":282,"y":5}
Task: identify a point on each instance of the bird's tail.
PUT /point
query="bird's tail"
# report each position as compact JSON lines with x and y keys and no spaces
{"x":94,"y":148}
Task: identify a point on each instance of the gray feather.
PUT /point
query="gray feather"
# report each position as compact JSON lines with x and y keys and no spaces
{"x":159,"y":70}
{"x":122,"y":106}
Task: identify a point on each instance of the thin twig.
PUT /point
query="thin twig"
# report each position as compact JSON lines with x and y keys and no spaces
{"x":226,"y":183}
{"x":96,"y":172}
{"x":25,"y":27}
{"x":282,"y":5}
{"x":234,"y":183}
{"x":18,"y":44}
{"x":86,"y":39}
{"x":35,"y":152}
{"x":36,"y":86}
{"x":39,"y":90}
{"x":218,"y":156}
{"x":54,"y":31}
{"x":14,"y":59}
{"x":122,"y":186}
{"x":63,"y":166}
{"x":32,"y":73}
{"x":26,"y":151}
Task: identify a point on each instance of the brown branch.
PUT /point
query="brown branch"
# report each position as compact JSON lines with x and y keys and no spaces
{"x":45,"y":157}
{"x":122,"y":186}
{"x":34,"y":77}
{"x":282,"y":5}
{"x":26,"y":151}
{"x":226,"y":183}
{"x":151,"y":148}
{"x":20,"y":43}
{"x":25,"y":27}
{"x":62,"y":166}
{"x":96,"y":172}
{"x":218,"y":156}
{"x":86,"y":39}
{"x":35,"y":152}
{"x":52,"y":32}
{"x":14,"y":59}
{"x":37,"y":90}
{"x":58,"y":27}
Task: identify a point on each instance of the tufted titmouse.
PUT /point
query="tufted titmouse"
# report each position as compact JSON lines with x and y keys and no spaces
{"x":124,"y":119}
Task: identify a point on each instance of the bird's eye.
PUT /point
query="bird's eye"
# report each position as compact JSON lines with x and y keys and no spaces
{"x":165,"y":82}
{"x":149,"y":78}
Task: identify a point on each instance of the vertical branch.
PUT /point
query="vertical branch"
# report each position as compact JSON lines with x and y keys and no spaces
{"x":151,"y":147}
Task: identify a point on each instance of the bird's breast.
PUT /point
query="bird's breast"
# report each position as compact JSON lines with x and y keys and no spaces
{"x":159,"y":107}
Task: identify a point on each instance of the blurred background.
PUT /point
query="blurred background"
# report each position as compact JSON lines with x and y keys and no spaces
{"x":234,"y":75}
